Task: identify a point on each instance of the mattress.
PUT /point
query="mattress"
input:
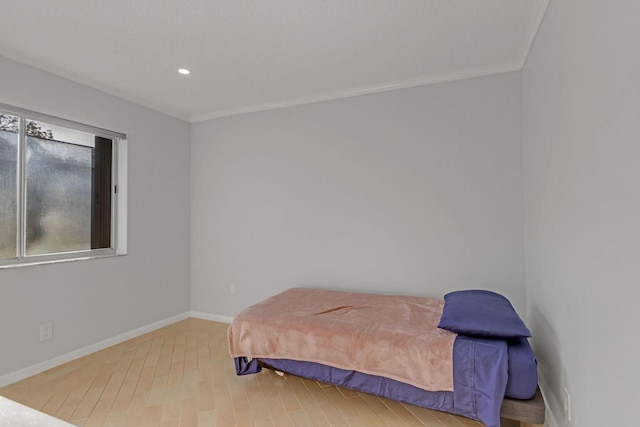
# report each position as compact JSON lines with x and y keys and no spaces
{"x":484,"y":372}
{"x":388,"y":335}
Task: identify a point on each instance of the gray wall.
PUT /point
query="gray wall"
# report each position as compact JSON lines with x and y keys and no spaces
{"x":89,"y":301}
{"x":581,"y":130}
{"x":415,"y":191}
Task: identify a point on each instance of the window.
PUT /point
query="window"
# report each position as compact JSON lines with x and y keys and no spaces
{"x":58,"y":189}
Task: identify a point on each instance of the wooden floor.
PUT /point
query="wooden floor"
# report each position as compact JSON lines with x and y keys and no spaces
{"x":182,"y":375}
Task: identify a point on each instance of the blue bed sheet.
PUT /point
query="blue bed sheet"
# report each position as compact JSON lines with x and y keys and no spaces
{"x":480,"y":374}
{"x":523,"y":370}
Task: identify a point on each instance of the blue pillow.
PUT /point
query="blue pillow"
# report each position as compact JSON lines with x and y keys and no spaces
{"x":483,"y":314}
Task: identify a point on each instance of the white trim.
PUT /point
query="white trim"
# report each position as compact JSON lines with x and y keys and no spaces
{"x":212,"y":317}
{"x":58,"y":259}
{"x":365,"y":90}
{"x":346,"y":93}
{"x":92,"y":348}
{"x":537,"y":21}
{"x":292,"y":102}
{"x":121,"y":196}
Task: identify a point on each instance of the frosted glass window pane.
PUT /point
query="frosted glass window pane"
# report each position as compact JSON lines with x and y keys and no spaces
{"x":58,"y":194}
{"x":57,"y":189}
{"x":8,"y":187}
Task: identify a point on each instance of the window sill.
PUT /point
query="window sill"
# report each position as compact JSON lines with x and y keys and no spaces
{"x":56,"y":260}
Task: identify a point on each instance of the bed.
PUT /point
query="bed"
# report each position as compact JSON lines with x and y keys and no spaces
{"x":466,"y":354}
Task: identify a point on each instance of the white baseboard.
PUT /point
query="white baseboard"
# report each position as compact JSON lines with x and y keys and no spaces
{"x":56,"y":361}
{"x":213,"y":317}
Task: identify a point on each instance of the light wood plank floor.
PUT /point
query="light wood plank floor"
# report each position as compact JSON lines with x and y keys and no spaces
{"x":182,"y":375}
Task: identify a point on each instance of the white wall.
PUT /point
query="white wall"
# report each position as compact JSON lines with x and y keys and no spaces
{"x":581,"y":128}
{"x":414,"y":191}
{"x":90,"y":301}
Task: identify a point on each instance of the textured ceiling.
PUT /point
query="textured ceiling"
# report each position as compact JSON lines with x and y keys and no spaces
{"x":250,"y":55}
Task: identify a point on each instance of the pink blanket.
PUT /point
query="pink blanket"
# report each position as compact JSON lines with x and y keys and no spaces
{"x":390,"y":336}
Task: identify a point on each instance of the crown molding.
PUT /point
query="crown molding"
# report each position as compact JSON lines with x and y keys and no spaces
{"x":364,"y":90}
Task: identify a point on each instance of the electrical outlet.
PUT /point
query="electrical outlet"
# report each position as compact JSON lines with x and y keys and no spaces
{"x":46,"y":331}
{"x":232,"y":289}
{"x":566,"y":401}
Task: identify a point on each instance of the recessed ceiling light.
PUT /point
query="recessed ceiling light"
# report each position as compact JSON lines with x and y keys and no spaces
{"x":184,"y":71}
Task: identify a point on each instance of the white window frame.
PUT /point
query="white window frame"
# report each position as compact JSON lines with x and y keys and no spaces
{"x":118,"y":193}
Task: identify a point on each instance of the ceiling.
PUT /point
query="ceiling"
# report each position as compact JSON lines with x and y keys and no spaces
{"x":252,"y":55}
